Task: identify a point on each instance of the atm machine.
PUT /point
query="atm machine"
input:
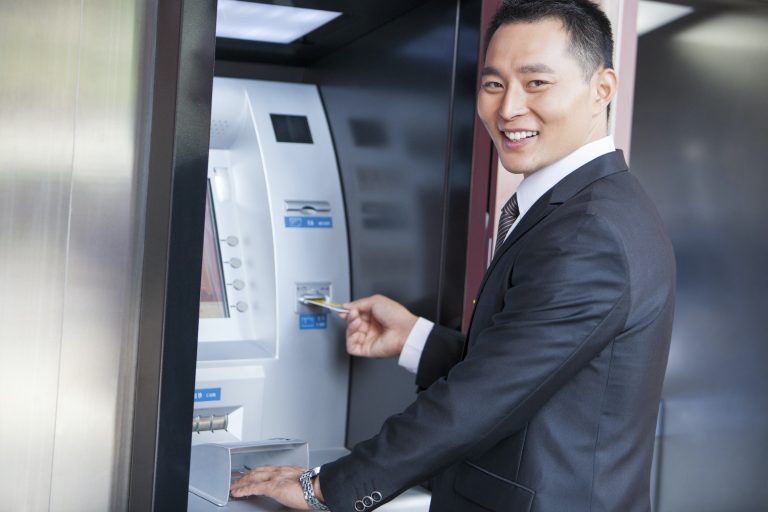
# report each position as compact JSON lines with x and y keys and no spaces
{"x":272,"y":374}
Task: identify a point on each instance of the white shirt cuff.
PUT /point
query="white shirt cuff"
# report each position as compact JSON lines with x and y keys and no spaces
{"x":414,"y":345}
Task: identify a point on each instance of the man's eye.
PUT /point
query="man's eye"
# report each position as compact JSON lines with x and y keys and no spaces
{"x":491,"y":85}
{"x":537,"y":83}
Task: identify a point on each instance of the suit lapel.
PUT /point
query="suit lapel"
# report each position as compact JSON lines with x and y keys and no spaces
{"x":538,"y":211}
{"x":581,"y":178}
{"x":565,"y":189}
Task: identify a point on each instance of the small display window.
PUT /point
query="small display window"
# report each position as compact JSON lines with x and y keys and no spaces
{"x":291,"y":128}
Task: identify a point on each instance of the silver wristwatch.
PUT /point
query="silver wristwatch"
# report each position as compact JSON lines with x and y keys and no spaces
{"x":309,"y":491}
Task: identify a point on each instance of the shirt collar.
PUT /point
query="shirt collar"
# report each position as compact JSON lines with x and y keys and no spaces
{"x":536,"y":185}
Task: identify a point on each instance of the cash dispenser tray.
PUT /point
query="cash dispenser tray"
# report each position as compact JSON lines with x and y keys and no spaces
{"x":214,"y":466}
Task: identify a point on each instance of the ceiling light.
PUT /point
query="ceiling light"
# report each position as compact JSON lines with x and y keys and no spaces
{"x":732,"y":31}
{"x":268,"y":23}
{"x":652,"y":15}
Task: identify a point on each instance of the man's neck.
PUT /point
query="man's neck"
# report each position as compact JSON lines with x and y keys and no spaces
{"x":578,"y":157}
{"x":536,"y":184}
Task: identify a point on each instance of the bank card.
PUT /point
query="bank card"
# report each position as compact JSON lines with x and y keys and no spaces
{"x":325,"y":304}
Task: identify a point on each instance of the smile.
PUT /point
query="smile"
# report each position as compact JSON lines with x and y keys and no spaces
{"x":519,"y":135}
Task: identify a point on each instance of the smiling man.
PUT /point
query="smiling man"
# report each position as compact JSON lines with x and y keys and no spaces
{"x":549,"y":403}
{"x":539,"y":99}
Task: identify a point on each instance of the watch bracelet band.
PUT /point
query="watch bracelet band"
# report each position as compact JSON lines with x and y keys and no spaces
{"x":309,"y":491}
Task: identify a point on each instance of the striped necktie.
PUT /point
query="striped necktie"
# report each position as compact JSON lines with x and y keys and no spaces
{"x":509,"y":215}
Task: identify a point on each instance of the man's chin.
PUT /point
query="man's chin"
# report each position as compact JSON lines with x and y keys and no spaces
{"x":518,"y":168}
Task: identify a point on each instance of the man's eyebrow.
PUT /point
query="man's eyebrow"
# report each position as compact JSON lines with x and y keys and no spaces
{"x":523,"y":70}
{"x":535,"y":68}
{"x":490,"y":70}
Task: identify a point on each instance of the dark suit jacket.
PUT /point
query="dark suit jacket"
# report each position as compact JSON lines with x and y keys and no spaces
{"x":550,"y":403}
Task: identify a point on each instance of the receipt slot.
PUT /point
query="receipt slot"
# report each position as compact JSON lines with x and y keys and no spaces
{"x":215,"y":466}
{"x":271,"y":365}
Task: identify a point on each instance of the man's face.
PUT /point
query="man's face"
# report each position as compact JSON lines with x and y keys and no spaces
{"x":534,"y":99}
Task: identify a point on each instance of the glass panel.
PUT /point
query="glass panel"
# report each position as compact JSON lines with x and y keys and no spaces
{"x":213,"y":297}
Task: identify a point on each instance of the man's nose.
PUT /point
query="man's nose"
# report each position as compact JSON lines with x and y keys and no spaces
{"x":514,"y":103}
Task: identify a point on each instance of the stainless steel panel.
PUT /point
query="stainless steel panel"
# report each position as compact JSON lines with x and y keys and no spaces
{"x":69,"y":187}
{"x":699,"y":149}
{"x":36,"y":151}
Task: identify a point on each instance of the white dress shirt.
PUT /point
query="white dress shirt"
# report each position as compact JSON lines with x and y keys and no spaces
{"x":528,"y":192}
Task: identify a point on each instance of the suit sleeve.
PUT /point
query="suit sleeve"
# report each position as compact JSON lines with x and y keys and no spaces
{"x":566,"y":299}
{"x":441,"y":352}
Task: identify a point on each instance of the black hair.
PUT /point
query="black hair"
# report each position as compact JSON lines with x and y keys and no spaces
{"x":586,"y":24}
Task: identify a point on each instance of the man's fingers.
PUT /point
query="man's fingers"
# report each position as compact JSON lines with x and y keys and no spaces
{"x":354,"y":327}
{"x":248,"y":490}
{"x":254,"y":477}
{"x":248,"y":486}
{"x":280,"y":483}
{"x":357,"y":326}
{"x":354,"y":338}
{"x":351,"y":313}
{"x":265,"y":473}
{"x":359,"y":341}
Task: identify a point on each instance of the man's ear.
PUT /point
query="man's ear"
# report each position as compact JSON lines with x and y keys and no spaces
{"x":605,"y":84}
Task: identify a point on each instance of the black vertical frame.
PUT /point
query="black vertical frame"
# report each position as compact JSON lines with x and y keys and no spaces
{"x":458,"y":164}
{"x":182,"y":62}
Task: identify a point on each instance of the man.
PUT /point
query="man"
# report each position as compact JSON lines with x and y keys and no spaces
{"x":550,"y":402}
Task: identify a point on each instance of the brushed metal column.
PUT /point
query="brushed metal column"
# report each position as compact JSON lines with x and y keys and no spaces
{"x":74,"y":118}
{"x":103,"y":118}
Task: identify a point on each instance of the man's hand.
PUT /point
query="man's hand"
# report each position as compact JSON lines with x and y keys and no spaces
{"x":377,"y":327}
{"x":281,"y":483}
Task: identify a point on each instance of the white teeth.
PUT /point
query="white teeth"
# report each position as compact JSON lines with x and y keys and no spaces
{"x":515,"y":136}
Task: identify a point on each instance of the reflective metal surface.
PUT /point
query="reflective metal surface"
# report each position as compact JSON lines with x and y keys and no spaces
{"x":405,"y":164}
{"x":69,"y":189}
{"x":699,"y":149}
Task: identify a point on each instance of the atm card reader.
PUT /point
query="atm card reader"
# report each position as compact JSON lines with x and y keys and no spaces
{"x":323,"y":303}
{"x":306,"y":292}
{"x":307,"y":207}
{"x":213,"y":467}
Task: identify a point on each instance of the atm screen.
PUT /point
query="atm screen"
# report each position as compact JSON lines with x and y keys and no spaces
{"x":213,"y":297}
{"x":291,"y":128}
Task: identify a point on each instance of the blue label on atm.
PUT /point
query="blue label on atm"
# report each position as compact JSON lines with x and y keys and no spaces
{"x":308,"y":222}
{"x":207,"y":394}
{"x":313,"y":321}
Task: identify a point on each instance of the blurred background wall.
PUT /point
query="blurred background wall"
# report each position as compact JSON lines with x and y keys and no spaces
{"x":699,"y":147}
